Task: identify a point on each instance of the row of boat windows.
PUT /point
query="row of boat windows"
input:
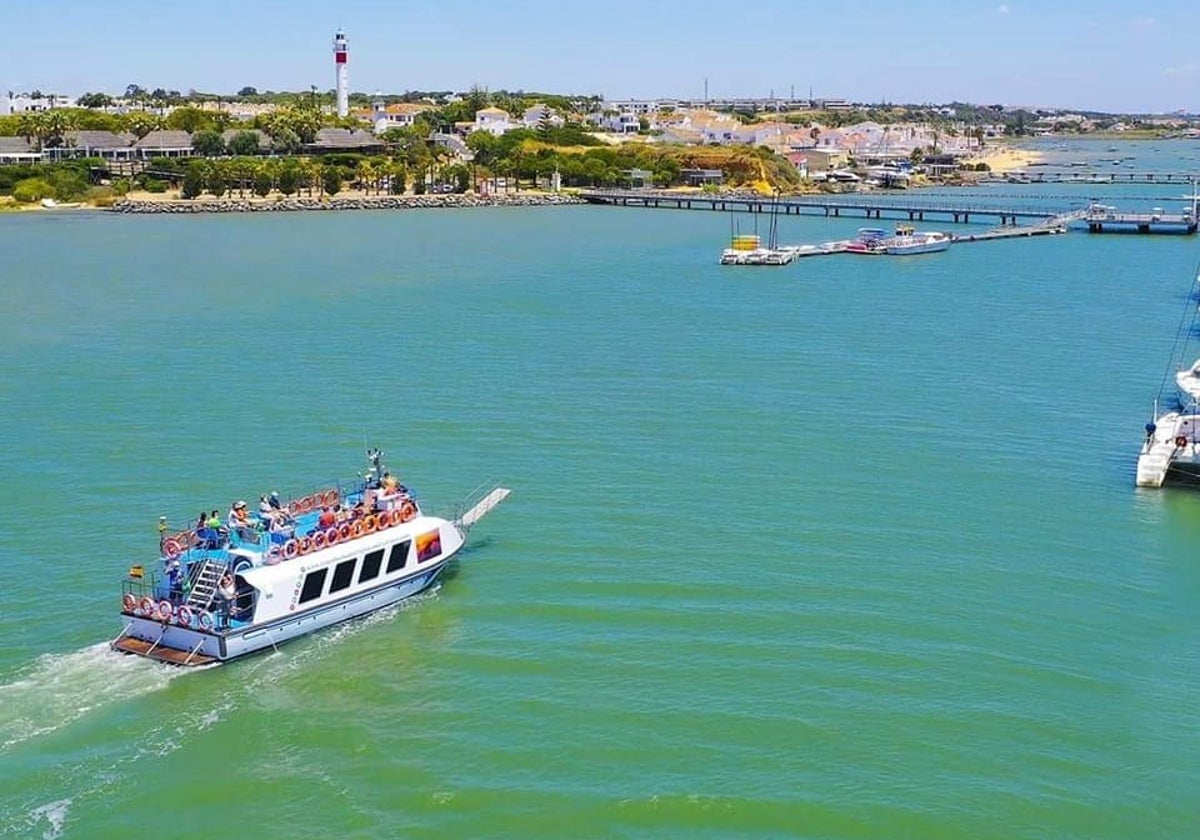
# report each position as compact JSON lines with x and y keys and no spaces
{"x":343,"y":572}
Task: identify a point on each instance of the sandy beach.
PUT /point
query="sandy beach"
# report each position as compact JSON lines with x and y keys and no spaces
{"x":1001,"y":159}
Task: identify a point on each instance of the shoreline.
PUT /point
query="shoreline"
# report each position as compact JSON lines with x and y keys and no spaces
{"x":295,"y":204}
{"x":1004,"y":159}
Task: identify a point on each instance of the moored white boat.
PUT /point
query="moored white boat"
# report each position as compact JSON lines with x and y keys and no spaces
{"x":1171,"y":449}
{"x":327,"y":557}
{"x":916,"y":242}
{"x":1171,"y":445}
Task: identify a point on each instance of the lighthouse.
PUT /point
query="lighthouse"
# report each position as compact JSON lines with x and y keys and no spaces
{"x":340,"y":55}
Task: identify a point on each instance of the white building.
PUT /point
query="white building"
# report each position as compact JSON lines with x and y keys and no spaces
{"x":495,"y":121}
{"x":534,"y":114}
{"x":23,"y":103}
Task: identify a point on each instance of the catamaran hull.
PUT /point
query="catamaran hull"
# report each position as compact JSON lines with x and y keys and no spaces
{"x":185,"y":646}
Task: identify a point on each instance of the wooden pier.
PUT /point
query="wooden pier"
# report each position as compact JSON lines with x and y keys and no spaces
{"x":1036,"y":175}
{"x":817,"y":206}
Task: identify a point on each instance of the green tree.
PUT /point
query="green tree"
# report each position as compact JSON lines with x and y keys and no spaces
{"x":289,"y":178}
{"x":94,"y":100}
{"x":244,"y":143}
{"x":331,"y":180}
{"x":396,"y":173}
{"x":193,"y":181}
{"x":141,"y":123}
{"x":263,"y":180}
{"x":31,"y":190}
{"x":217,"y":181}
{"x":189,"y":119}
{"x":367,"y":174}
{"x":32,"y":125}
{"x":208,"y":143}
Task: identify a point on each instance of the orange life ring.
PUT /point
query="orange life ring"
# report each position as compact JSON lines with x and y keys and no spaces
{"x":397,"y":516}
{"x":164,"y":610}
{"x":356,"y":528}
{"x":332,"y":535}
{"x":309,"y":503}
{"x":183,"y":615}
{"x":305,"y":545}
{"x":184,"y":538}
{"x":146,"y":606}
{"x":171,"y":548}
{"x":383,"y":519}
{"x":344,"y":532}
{"x":1181,"y":441}
{"x":331,"y":498}
{"x":289,"y":549}
{"x":368,"y":523}
{"x":128,"y":602}
{"x":294,"y":507}
{"x":318,"y":540}
{"x":408,"y":511}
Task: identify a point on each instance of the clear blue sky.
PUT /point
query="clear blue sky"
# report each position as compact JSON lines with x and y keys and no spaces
{"x":1103,"y":55}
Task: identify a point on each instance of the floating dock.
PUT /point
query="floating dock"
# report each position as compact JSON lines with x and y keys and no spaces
{"x":1105,"y":219}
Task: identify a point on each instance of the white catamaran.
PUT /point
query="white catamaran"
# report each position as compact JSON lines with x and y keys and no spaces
{"x":255,"y":581}
{"x":1171,"y":446}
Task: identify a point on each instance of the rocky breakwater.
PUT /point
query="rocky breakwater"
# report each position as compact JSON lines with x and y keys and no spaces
{"x":381,"y":202}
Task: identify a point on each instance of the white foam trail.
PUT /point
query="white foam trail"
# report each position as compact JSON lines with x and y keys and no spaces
{"x":58,"y":689}
{"x":97,"y":675}
{"x":55,"y":815}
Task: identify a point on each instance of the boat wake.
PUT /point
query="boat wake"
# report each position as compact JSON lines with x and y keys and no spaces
{"x":58,"y":689}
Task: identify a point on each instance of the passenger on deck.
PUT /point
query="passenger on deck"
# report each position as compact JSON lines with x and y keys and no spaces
{"x":327,"y":519}
{"x":217,"y":531}
{"x":274,"y":502}
{"x":281,"y":529}
{"x":239,"y":521}
{"x":389,"y":483}
{"x":264,"y":508}
{"x":174,"y":581}
{"x":162,"y":532}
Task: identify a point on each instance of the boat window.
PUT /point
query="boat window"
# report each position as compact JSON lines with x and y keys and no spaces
{"x":399,"y":556}
{"x":370,"y":566}
{"x":343,"y":575}
{"x":314,"y":585}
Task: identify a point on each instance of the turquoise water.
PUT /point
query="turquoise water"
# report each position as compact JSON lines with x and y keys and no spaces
{"x":846,"y":549}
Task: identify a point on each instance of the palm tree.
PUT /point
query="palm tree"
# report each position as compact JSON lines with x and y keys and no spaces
{"x":308,"y":173}
{"x":33,"y":126}
{"x":368,"y":175}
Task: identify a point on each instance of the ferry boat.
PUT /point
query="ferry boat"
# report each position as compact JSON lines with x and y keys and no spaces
{"x":908,"y":241}
{"x":257,"y":580}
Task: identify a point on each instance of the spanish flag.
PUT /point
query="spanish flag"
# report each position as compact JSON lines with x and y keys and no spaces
{"x":137,"y":572}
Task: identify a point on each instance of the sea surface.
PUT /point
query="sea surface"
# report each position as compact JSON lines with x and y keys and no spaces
{"x":844,"y":549}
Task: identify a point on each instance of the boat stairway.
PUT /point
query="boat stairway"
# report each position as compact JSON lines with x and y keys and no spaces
{"x":204,"y":588}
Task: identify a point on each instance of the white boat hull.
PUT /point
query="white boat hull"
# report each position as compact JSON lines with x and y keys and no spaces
{"x":231,"y":644}
{"x":1171,"y":450}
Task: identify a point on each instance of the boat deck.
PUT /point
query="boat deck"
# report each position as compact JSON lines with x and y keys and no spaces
{"x":171,"y":656}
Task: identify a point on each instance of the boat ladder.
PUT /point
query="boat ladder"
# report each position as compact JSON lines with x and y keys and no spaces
{"x":204,"y":589}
